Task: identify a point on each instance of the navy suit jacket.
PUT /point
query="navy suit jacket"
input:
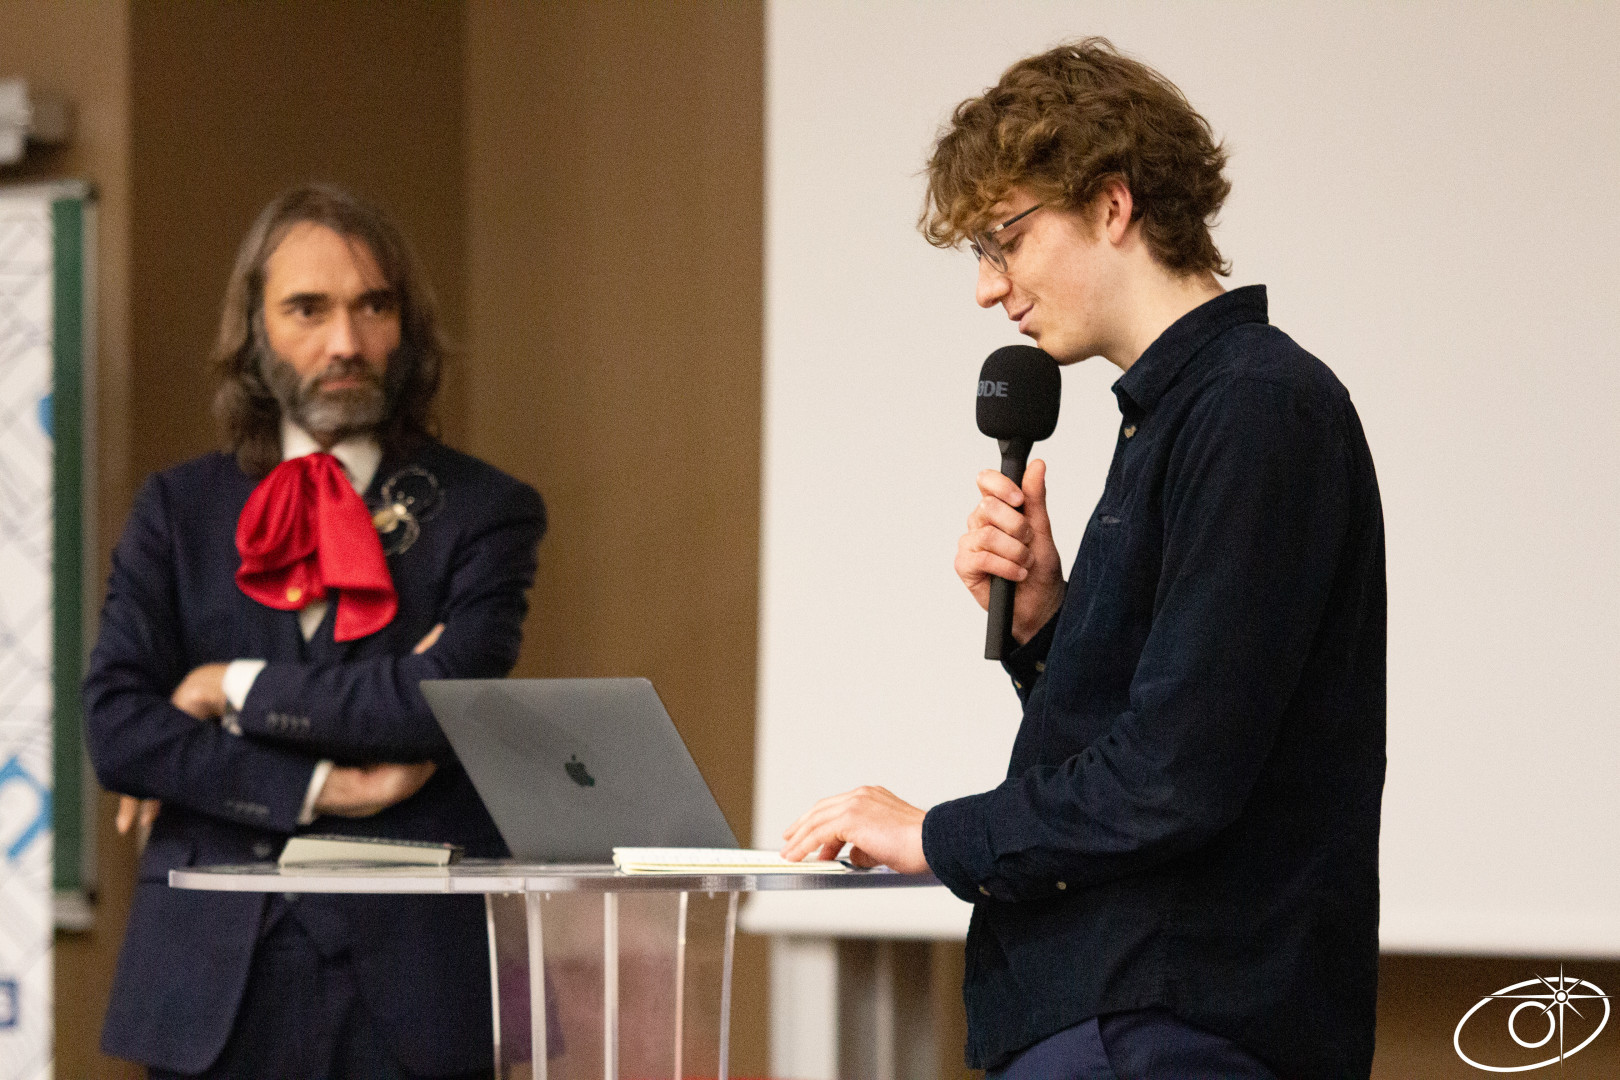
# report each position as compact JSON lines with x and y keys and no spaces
{"x":172,"y":605}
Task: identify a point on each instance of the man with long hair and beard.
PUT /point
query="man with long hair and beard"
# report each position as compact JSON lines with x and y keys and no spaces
{"x":271,"y":612}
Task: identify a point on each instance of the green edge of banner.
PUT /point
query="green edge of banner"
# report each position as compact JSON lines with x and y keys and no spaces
{"x":67,"y":424}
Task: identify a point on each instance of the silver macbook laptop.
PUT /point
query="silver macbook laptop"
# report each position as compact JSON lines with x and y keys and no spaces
{"x":572,"y":768}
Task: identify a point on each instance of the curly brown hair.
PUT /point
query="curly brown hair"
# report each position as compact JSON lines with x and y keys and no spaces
{"x":1063,"y":124}
{"x":244,"y":404}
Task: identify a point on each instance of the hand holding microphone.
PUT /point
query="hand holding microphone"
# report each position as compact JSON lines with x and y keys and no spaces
{"x":1009,"y":537}
{"x":1007,"y":557}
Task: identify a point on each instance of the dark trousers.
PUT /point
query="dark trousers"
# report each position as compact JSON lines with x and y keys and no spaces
{"x":301,"y":1018}
{"x":1136,"y":1045}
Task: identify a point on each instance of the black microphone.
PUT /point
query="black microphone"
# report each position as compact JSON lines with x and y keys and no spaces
{"x":1019,"y":388}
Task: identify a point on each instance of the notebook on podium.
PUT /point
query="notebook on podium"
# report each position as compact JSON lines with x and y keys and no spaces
{"x":572,"y":768}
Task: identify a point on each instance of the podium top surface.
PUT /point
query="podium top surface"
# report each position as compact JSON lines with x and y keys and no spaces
{"x":480,"y":876}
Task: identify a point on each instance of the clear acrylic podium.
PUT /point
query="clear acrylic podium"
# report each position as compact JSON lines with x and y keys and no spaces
{"x":611,"y":974}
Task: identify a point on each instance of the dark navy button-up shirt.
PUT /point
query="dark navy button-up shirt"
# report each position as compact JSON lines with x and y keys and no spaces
{"x":1190,"y":816}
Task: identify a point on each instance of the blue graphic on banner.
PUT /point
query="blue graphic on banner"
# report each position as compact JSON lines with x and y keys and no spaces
{"x":8,"y":1003}
{"x":47,"y":419}
{"x":13,"y":772}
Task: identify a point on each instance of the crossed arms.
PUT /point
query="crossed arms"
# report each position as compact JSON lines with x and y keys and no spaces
{"x":150,"y":707}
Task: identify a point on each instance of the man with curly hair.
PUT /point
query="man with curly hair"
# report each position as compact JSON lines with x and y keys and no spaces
{"x":1179,"y":876}
{"x":271,"y":612}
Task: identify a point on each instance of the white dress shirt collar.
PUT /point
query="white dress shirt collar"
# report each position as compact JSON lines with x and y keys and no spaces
{"x":359,"y":454}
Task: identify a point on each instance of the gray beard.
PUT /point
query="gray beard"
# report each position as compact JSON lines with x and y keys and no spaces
{"x":330,"y":416}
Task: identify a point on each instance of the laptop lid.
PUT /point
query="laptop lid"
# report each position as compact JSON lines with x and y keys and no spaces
{"x":572,"y":768}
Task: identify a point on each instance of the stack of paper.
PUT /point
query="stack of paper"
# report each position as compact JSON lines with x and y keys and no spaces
{"x":313,"y":849}
{"x":655,"y":860}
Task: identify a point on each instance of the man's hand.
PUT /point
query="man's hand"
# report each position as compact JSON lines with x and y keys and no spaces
{"x":133,"y":811}
{"x":429,"y":639}
{"x":202,"y":693}
{"x":884,"y":828}
{"x":1004,"y":543}
{"x":362,"y":790}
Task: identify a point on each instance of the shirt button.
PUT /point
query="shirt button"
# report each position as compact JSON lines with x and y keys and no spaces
{"x":1062,"y":885}
{"x":1130,"y":431}
{"x":984,"y":890}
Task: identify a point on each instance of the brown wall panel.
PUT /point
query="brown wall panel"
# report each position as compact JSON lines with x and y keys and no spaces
{"x":189,"y":118}
{"x":233,"y":103}
{"x":80,"y":51}
{"x":615,"y":217}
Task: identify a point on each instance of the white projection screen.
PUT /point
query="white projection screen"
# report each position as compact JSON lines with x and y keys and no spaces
{"x":1429,"y":192}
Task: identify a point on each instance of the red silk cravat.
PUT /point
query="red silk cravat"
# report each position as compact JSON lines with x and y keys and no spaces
{"x":303,"y":531}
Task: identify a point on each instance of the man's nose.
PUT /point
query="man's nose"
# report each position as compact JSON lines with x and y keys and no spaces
{"x":342,"y":338}
{"x":993,"y":285}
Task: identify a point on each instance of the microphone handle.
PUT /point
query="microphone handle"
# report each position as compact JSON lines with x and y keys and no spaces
{"x":998,"y":639}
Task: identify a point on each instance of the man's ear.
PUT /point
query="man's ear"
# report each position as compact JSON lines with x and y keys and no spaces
{"x":1114,"y":209}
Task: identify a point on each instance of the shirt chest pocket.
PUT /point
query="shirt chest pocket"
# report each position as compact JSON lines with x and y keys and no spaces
{"x":1100,"y":547}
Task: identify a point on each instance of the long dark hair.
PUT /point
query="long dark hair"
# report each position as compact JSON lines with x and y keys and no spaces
{"x":244,"y":405}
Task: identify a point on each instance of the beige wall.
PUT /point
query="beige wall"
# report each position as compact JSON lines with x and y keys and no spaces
{"x":584,"y":182}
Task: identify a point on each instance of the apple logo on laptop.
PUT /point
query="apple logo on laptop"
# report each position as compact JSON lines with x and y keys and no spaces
{"x":578,"y":773}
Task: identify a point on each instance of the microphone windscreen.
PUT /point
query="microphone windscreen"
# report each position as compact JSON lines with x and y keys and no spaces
{"x":1019,"y":388}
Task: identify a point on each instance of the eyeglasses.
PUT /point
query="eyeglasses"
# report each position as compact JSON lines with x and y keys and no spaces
{"x":985,"y":245}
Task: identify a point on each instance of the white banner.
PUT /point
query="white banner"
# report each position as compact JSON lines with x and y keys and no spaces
{"x":26,"y":460}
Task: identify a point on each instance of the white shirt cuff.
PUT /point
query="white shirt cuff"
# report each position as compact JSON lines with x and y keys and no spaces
{"x":238,"y":681}
{"x":323,"y":769}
